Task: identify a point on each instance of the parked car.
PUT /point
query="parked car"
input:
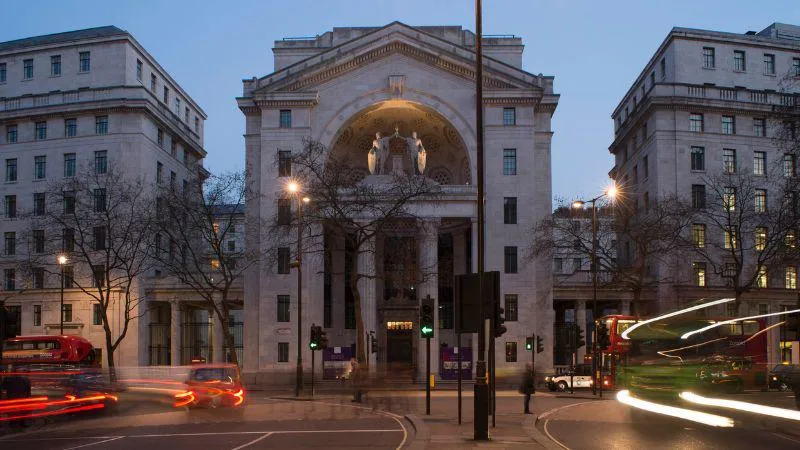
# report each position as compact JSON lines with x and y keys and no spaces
{"x":581,"y":377}
{"x":782,"y":375}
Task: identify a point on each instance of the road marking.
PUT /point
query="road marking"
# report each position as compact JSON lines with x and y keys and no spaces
{"x":95,"y":443}
{"x":786,"y":437}
{"x":223,"y":433}
{"x":252,"y":442}
{"x":551,"y":436}
{"x":545,"y":414}
{"x":397,"y":418}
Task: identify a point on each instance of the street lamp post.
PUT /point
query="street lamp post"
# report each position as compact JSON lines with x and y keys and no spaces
{"x":294,"y":188}
{"x":611,"y":192}
{"x":62,"y":260}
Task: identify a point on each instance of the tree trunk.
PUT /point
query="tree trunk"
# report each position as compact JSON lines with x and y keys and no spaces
{"x":112,"y":374}
{"x":361,"y":355}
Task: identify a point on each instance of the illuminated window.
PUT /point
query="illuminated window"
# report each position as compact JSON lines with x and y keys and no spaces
{"x":789,"y":239}
{"x":729,"y":160}
{"x":760,"y":196}
{"x":216,"y":227}
{"x":761,"y":238}
{"x":699,"y":235}
{"x":791,"y":277}
{"x":730,"y":239}
{"x":215,"y":264}
{"x":729,"y":199}
{"x":511,"y":352}
{"x":761,"y":278}
{"x":699,"y":269}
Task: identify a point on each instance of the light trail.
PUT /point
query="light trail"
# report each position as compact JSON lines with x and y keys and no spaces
{"x":662,"y":352}
{"x":741,"y":406}
{"x":725,"y":322}
{"x":761,"y":331}
{"x":624,"y":397}
{"x":672,"y":314}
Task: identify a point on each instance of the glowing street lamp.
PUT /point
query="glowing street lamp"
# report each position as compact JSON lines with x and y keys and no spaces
{"x":62,"y":261}
{"x":294,"y":189}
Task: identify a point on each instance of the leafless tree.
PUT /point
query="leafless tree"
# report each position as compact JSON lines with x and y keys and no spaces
{"x":195,"y":228}
{"x":102,"y":219}
{"x":346,"y":203}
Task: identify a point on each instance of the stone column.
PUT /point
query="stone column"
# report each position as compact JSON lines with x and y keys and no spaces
{"x":337,"y":282}
{"x":580,"y":319}
{"x":175,"y":329}
{"x":428,"y":241}
{"x":366,"y":289}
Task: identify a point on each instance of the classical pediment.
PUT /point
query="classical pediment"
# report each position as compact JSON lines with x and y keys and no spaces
{"x":396,"y":38}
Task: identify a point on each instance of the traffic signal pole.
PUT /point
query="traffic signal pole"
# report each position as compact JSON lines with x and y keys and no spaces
{"x":428,"y":376}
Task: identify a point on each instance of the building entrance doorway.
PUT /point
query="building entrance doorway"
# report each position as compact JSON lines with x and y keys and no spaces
{"x":399,"y":350}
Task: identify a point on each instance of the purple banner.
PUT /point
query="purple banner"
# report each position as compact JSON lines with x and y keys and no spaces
{"x":334,"y":360}
{"x":449,"y":360}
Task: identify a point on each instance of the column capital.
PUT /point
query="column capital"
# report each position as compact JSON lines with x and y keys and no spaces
{"x":430,"y":226}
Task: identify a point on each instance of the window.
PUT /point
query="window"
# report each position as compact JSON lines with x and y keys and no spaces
{"x":68,"y":239}
{"x":283,"y":308}
{"x":38,"y":241}
{"x":139,"y":69}
{"x":283,"y":260}
{"x":70,"y":127}
{"x":728,"y":160}
{"x":41,"y":131}
{"x":699,"y":269}
{"x":10,"y":243}
{"x":739,"y":61}
{"x":510,"y":210}
{"x":69,"y":277}
{"x":55,"y":66}
{"x":85,"y":61}
{"x":160,"y":137}
{"x":795,"y":69}
{"x":284,"y":211}
{"x":69,"y":165}
{"x":769,"y":64}
{"x":699,"y":235}
{"x":38,"y":204}
{"x":728,"y":125}
{"x":69,"y":202}
{"x":510,"y":259}
{"x":646,"y":167}
{"x":283,"y":352}
{"x":761,"y":278}
{"x":177,"y":106}
{"x":511,"y":307}
{"x":284,"y":163}
{"x":166,"y":96}
{"x":759,"y":163}
{"x":186,"y":114}
{"x":698,"y":158}
{"x":791,"y":277}
{"x":576,"y":264}
{"x":11,"y":134}
{"x":37,"y":315}
{"x":99,"y":238}
{"x":159,"y":172}
{"x":558,"y":265}
{"x":760,"y":196}
{"x":173,"y":177}
{"x":789,"y":165}
{"x":196,"y":124}
{"x":101,"y":125}
{"x":509,"y":116}
{"x":729,"y":198}
{"x":509,"y":161}
{"x":285,"y":118}
{"x":789,"y":239}
{"x":11,"y":206}
{"x":761,"y":238}
{"x":98,"y":276}
{"x":99,"y":200}
{"x":3,"y":74}
{"x":39,"y":167}
{"x":66,"y":312}
{"x":153,"y":82}
{"x":100,"y":161}
{"x":27,"y":69}
{"x":696,"y":122}
{"x":729,"y":236}
{"x":708,"y":57}
{"x":730,"y":309}
{"x":511,"y":351}
{"x":759,"y":127}
{"x":663,"y":65}
{"x":97,"y":316}
{"x":11,"y":169}
{"x":231,"y":246}
{"x":10,"y":279}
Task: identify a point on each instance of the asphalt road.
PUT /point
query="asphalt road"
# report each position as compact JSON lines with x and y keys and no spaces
{"x":269,"y":425}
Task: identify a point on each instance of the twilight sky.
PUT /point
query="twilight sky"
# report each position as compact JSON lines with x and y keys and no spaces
{"x":595,"y":49}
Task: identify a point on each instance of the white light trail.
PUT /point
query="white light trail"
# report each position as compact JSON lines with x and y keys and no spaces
{"x":662,"y":353}
{"x":741,"y":406}
{"x":672,"y":314}
{"x":762,"y":331}
{"x":681,"y":413}
{"x":725,"y":322}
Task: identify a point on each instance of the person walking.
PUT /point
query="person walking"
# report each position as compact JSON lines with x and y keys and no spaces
{"x":527,"y":386}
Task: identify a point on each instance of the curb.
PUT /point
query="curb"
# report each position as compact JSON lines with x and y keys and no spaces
{"x":421,"y":433}
{"x":529,"y":425}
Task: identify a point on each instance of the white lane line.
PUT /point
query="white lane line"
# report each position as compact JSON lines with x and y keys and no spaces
{"x":228,"y":433}
{"x":252,"y":442}
{"x":397,"y":418}
{"x":551,"y":436}
{"x":95,"y":443}
{"x":545,"y":414}
{"x":786,"y":437}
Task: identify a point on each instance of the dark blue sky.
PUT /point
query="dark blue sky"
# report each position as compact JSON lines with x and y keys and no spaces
{"x":595,"y":49}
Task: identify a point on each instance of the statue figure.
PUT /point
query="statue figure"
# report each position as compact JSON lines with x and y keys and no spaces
{"x":418,"y":153}
{"x":376,"y":158}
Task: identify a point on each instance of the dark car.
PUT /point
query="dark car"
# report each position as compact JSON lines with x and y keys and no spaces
{"x":782,"y":376}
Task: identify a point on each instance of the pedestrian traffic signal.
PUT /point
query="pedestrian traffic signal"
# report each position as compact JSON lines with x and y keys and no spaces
{"x":603,"y":340}
{"x":426,"y":317}
{"x":316,"y":337}
{"x":539,"y":346}
{"x":580,"y":340}
{"x":499,"y":321}
{"x":529,"y":343}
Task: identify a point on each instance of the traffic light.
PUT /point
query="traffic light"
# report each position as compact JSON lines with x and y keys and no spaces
{"x":499,"y":320}
{"x":603,"y":340}
{"x":539,"y":346}
{"x":315,"y":332}
{"x":529,"y":343}
{"x":426,"y":317}
{"x":580,"y":340}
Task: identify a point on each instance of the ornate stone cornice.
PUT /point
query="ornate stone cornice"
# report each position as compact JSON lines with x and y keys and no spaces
{"x":516,"y":101}
{"x":275,"y":104}
{"x":546,"y":107}
{"x":403,"y":48}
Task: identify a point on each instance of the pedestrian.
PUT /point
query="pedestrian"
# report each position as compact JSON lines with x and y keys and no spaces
{"x":528,"y":387}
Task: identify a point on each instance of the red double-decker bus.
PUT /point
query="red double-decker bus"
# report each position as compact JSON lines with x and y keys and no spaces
{"x":45,"y":349}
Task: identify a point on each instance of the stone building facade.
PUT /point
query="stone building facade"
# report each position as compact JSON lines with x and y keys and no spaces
{"x":702,"y":103}
{"x":342,"y":87}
